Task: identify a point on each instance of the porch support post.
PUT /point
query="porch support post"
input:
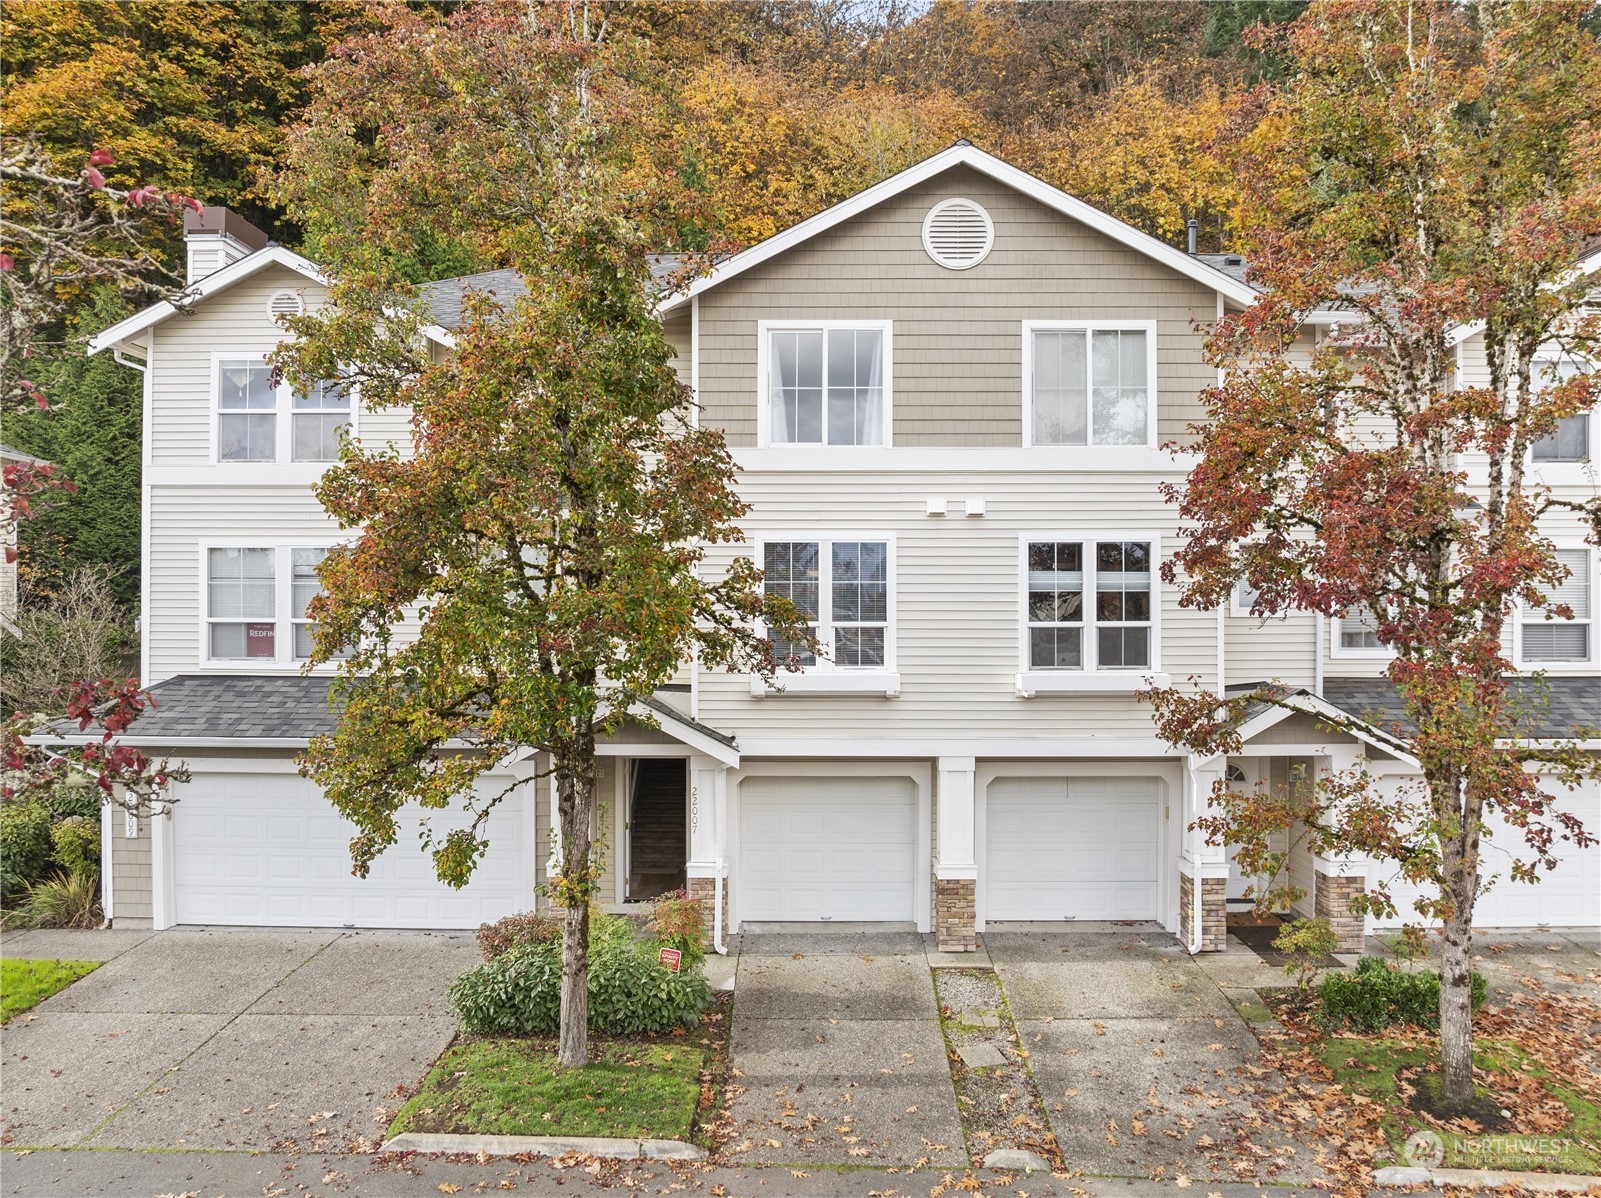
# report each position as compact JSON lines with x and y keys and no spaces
{"x":163,"y":896}
{"x":1338,"y":881}
{"x":707,"y":868}
{"x":955,"y":866}
{"x":1203,"y":868}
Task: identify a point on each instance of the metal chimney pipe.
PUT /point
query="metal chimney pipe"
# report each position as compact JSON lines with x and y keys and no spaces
{"x":1194,"y":229}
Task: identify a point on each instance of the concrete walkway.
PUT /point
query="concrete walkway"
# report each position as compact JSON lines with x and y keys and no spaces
{"x":226,"y":1038}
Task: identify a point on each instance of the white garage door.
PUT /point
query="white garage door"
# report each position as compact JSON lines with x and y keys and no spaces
{"x":269,"y":850}
{"x":827,"y":849}
{"x":1072,"y":848}
{"x":1566,"y":897}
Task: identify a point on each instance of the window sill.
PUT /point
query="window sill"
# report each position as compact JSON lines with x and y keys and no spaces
{"x":1074,"y":682}
{"x":855,"y":682}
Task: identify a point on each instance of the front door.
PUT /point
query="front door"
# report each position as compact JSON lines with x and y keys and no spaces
{"x":658,"y":827}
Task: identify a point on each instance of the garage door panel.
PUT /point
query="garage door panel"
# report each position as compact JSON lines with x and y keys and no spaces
{"x":290,"y":866}
{"x":827,"y":849}
{"x":1072,"y":848}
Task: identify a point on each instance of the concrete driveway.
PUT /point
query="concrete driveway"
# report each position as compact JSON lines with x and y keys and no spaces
{"x":226,"y":1038}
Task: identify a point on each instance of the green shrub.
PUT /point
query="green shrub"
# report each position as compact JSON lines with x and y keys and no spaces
{"x":518,"y":993}
{"x":79,"y":797}
{"x":676,"y":920}
{"x":24,"y":846}
{"x":75,"y":845}
{"x":66,"y":901}
{"x":1306,"y":942}
{"x":1377,"y":995}
{"x":516,"y":931}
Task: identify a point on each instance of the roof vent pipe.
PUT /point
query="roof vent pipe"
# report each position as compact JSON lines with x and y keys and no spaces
{"x":1193,"y":228}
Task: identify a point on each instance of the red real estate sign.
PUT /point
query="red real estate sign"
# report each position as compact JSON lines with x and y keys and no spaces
{"x":671,"y":958}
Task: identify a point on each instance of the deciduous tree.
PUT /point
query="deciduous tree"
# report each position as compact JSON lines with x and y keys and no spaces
{"x":1428,"y":168}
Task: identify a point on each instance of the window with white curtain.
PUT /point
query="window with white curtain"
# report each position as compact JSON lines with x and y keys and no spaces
{"x":1359,"y":630}
{"x":1089,"y":385}
{"x":842,"y":588}
{"x":1549,"y":638}
{"x":1570,"y":440}
{"x":1114,"y":632}
{"x":826,"y":386}
{"x":318,"y":418}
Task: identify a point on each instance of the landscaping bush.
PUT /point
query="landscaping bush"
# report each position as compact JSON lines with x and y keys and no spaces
{"x":24,"y":846}
{"x":1306,"y":942}
{"x":518,"y":993}
{"x":67,"y":901}
{"x":1377,"y":995}
{"x":677,"y":922}
{"x":516,"y":931}
{"x":79,"y":797}
{"x":75,"y":845}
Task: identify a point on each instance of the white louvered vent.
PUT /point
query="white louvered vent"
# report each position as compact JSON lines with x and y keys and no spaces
{"x":958,"y":234}
{"x":285,"y":303}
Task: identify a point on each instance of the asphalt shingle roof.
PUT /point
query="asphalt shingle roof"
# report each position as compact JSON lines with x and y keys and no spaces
{"x":1555,"y":707}
{"x":445,"y":297}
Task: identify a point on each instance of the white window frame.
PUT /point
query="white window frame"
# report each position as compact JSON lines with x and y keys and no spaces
{"x":1583,"y":469}
{"x":1090,"y":328}
{"x":1032,"y":681}
{"x":283,"y":618}
{"x":1520,"y":610}
{"x":1243,"y":610}
{"x":1338,"y":650}
{"x":825,"y":677}
{"x":283,"y":413}
{"x":764,"y":399}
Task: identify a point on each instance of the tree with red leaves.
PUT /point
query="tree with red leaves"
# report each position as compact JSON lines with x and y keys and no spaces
{"x":1429,"y":171}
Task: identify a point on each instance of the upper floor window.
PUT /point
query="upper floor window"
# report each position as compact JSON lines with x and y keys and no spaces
{"x":1570,"y":440}
{"x":843,"y":590}
{"x":243,"y":604}
{"x":1547,"y":638}
{"x":827,"y":384}
{"x":1114,"y":630}
{"x":1089,"y":384}
{"x":1359,"y":631}
{"x":258,"y":422}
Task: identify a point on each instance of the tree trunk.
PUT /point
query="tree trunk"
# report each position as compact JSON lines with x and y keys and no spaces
{"x":1460,"y":871}
{"x":574,"y":769}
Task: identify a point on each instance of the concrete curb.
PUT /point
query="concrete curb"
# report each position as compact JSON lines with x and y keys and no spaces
{"x":621,"y":1150}
{"x":1487,"y":1179}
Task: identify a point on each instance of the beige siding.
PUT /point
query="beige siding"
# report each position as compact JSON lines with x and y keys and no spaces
{"x":1280,"y":649}
{"x":130,"y":875}
{"x":958,"y":604}
{"x":957,"y":342}
{"x":1302,"y":730}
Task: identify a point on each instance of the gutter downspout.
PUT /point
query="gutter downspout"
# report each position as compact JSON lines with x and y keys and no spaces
{"x":719,"y":809}
{"x":1317,"y":657}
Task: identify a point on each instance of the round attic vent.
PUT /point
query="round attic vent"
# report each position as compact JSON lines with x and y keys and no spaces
{"x":958,"y":234}
{"x":285,"y":303}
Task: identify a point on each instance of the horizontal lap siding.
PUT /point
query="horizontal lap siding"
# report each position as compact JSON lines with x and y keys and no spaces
{"x":957,"y":342}
{"x":232,"y":321}
{"x":958,"y":600}
{"x":1273,"y":650}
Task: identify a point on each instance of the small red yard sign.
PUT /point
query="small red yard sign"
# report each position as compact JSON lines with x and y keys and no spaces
{"x":671,"y":958}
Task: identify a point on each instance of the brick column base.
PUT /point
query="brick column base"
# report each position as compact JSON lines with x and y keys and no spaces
{"x":703,"y":892}
{"x":955,"y":915}
{"x":1213,"y":933}
{"x":1332,"y":899}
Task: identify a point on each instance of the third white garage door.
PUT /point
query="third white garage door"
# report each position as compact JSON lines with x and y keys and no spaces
{"x":1072,"y":848}
{"x":827,"y":849}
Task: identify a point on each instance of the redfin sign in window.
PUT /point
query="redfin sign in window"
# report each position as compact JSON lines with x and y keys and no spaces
{"x":260,"y":640}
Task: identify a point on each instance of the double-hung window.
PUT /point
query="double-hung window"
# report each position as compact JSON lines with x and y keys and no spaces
{"x":255,"y":603}
{"x":842,"y":588}
{"x":1547,"y":638}
{"x":1359,"y":631}
{"x":1570,"y":440}
{"x":1089,"y":384}
{"x":1090,"y":605}
{"x":260,"y":422}
{"x":827,"y":384}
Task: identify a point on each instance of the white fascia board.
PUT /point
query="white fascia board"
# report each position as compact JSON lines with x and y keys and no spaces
{"x":1585,"y":266}
{"x":686,"y":735}
{"x":1310,"y":704}
{"x":234,"y":272}
{"x":1002,"y":172}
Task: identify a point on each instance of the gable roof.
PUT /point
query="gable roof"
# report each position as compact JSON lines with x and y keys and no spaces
{"x":965,"y":154}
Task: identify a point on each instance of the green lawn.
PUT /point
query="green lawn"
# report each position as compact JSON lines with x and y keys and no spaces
{"x":514,"y":1088}
{"x":25,"y":984}
{"x":1369,"y":1067}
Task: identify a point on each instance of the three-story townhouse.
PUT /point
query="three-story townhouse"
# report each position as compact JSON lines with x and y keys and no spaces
{"x":948,"y":399}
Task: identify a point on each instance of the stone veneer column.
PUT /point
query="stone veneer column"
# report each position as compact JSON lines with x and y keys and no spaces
{"x":1337,"y":881}
{"x":1202,"y":927}
{"x":703,"y":892}
{"x":955,"y":870}
{"x":706,"y":840}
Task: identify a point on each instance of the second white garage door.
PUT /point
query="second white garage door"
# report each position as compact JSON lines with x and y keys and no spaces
{"x":827,"y":849}
{"x":1072,"y":848}
{"x":268,"y":850}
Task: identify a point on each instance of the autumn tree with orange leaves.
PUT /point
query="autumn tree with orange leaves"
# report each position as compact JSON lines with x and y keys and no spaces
{"x":1428,"y":170}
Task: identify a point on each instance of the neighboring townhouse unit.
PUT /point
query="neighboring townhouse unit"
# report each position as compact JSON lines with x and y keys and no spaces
{"x":947,"y":399}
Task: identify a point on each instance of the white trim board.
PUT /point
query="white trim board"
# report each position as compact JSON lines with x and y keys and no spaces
{"x":971,"y":156}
